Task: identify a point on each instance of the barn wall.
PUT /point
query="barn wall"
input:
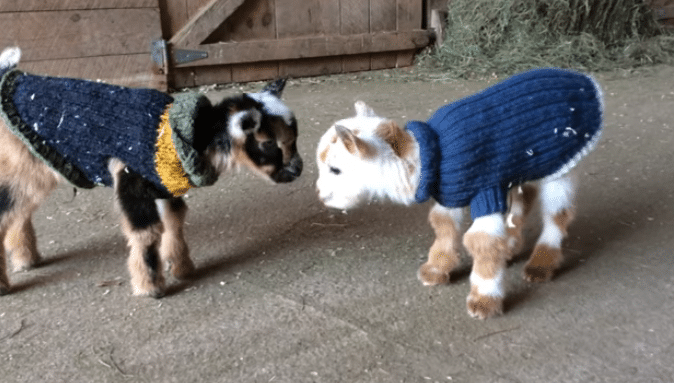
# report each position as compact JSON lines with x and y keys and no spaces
{"x":264,"y":39}
{"x":105,"y":40}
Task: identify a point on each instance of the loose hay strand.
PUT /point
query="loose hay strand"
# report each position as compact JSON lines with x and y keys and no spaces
{"x":484,"y":37}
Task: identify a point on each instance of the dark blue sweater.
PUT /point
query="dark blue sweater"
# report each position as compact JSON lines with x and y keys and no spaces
{"x":534,"y":125}
{"x":76,"y":126}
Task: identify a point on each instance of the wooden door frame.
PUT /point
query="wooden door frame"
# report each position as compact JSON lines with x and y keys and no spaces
{"x":190,"y":37}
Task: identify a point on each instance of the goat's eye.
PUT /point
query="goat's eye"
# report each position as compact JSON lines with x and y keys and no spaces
{"x":334,"y":170}
{"x":268,"y":145}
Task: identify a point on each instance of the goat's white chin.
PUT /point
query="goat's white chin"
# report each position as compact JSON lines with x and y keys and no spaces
{"x":340,"y":203}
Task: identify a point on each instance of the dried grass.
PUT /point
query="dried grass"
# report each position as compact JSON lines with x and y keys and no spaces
{"x":507,"y":36}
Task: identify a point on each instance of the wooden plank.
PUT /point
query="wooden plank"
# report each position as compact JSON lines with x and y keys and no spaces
{"x":73,"y":34}
{"x":309,"y":67}
{"x":309,"y":47}
{"x":383,"y":60}
{"x":173,"y":16}
{"x":383,"y":15}
{"x":219,"y":74}
{"x":196,"y":76}
{"x":405,"y":59}
{"x":211,"y":75}
{"x":355,"y":19}
{"x":356,"y":63}
{"x":255,"y":72}
{"x":222,"y":74}
{"x":52,"y":5}
{"x":183,"y":78}
{"x":354,"y":16}
{"x":254,"y":20}
{"x":194,"y":6}
{"x":409,"y":15}
{"x":128,"y":70}
{"x":296,"y":18}
{"x":207,"y":20}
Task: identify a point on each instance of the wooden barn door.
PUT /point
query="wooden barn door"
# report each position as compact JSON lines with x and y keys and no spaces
{"x":216,"y":41}
{"x":107,"y":40}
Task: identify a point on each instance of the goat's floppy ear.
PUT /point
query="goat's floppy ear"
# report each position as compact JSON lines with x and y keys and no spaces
{"x":275,"y":88}
{"x":363,"y":110}
{"x":394,"y":135}
{"x":244,"y":122}
{"x":353,"y":143}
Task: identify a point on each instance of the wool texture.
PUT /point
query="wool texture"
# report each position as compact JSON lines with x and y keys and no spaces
{"x":534,"y":125}
{"x":76,"y":126}
{"x":167,"y":162}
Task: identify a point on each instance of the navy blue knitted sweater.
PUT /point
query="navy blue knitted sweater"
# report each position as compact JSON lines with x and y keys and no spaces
{"x":76,"y":126}
{"x":534,"y":125}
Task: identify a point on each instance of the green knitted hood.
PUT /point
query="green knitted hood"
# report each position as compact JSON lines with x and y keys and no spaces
{"x":182,"y":115}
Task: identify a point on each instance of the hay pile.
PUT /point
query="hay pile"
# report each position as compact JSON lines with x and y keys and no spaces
{"x":507,"y":36}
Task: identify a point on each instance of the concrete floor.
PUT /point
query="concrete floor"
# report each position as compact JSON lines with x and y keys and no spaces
{"x":288,"y":291}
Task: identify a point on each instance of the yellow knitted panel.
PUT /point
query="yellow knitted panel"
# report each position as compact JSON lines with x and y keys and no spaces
{"x":166,"y":159}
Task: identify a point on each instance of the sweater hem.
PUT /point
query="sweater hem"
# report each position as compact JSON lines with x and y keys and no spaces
{"x":34,"y":142}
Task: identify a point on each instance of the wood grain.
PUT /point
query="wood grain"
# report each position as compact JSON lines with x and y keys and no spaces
{"x":53,"y":5}
{"x":310,"y":47}
{"x":207,"y":19}
{"x":76,"y":34}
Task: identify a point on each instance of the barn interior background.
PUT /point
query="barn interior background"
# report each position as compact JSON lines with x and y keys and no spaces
{"x":485,"y":37}
{"x":181,"y":43}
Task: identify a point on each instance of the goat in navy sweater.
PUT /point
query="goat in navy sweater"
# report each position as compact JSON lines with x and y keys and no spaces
{"x":493,"y":152}
{"x":149,"y":146}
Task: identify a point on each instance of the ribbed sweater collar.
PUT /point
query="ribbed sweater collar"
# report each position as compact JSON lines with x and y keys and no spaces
{"x":182,"y":117}
{"x":429,"y":154}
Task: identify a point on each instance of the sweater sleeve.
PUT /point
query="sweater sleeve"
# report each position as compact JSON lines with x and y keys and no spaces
{"x":489,"y":201}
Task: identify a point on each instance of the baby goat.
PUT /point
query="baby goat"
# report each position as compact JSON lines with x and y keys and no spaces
{"x":149,"y":146}
{"x":495,"y":152}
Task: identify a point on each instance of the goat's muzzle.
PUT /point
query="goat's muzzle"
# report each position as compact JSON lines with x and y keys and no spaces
{"x":290,"y":171}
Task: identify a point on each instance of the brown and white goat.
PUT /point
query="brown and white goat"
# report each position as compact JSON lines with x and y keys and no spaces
{"x":369,"y":157}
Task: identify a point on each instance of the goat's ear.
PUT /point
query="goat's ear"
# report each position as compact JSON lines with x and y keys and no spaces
{"x":10,"y":57}
{"x":354,"y":144}
{"x":243,"y":123}
{"x":394,"y":135}
{"x":363,"y":110}
{"x":275,"y":87}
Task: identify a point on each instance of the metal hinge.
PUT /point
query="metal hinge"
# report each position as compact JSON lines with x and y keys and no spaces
{"x":160,"y":55}
{"x":184,"y":56}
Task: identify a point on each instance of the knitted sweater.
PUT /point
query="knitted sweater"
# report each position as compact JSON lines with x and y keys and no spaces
{"x":535,"y":125}
{"x":77,"y":126}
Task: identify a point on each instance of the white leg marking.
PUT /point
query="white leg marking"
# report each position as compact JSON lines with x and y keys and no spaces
{"x":551,"y":234}
{"x":491,"y":224}
{"x":491,"y":287}
{"x":557,"y":195}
